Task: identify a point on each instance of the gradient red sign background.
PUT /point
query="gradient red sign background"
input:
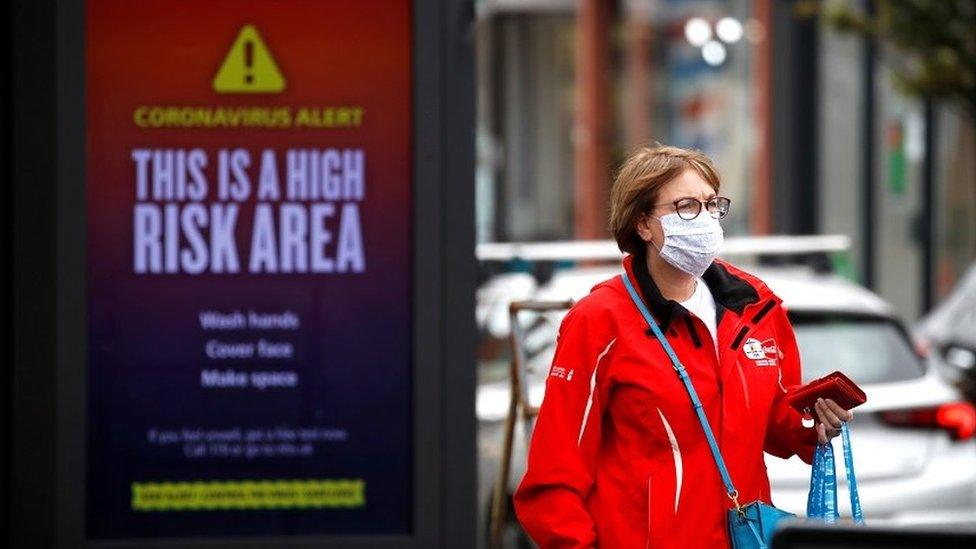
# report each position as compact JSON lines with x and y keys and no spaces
{"x":145,"y":345}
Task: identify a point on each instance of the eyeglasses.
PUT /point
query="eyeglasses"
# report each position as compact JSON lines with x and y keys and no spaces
{"x":688,"y":208}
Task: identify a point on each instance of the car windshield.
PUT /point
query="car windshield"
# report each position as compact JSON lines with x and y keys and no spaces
{"x":868,"y":349}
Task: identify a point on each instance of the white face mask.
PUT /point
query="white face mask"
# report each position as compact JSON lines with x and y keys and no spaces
{"x":690,"y":245}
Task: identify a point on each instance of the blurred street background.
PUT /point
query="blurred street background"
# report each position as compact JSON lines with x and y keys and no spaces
{"x":289,"y":274}
{"x":850,"y":122}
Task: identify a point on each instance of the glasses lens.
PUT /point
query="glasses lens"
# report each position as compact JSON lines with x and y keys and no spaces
{"x":718,"y":207}
{"x":688,"y":208}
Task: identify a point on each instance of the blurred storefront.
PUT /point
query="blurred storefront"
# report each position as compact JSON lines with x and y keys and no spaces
{"x":897,"y":173}
{"x":809,"y":132}
{"x":661,"y":86}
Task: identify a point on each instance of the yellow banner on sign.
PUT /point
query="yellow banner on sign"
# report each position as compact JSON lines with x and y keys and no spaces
{"x":248,"y":494}
{"x":249,"y":66}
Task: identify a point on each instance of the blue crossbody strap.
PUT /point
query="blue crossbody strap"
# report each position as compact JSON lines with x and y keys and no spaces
{"x":696,"y":403}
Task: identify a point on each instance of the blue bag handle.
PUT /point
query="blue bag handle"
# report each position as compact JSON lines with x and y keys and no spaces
{"x":851,"y":478}
{"x":730,"y":490}
{"x":822,"y":501}
{"x":829,"y":484}
{"x":815,"y":498}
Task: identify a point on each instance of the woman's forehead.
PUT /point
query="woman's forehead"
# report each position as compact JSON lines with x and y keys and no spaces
{"x":688,"y":183}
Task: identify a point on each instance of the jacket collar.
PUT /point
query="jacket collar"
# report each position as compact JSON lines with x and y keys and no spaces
{"x":729,"y":289}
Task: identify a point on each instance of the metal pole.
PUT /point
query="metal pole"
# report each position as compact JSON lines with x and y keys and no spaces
{"x":759,"y":214}
{"x":869,"y":214}
{"x":640,"y":97}
{"x":928,"y":213}
{"x":592,"y":125}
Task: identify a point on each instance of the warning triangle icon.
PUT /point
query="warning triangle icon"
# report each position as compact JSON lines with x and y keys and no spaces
{"x":248,"y":66}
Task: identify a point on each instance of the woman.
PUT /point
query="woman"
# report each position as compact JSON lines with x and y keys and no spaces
{"x":618,"y":458}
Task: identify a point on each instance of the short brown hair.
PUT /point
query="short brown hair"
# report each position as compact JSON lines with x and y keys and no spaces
{"x":639,"y":180}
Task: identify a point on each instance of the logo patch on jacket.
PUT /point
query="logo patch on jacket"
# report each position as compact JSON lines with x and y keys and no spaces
{"x":562,"y":373}
{"x":765,"y":353}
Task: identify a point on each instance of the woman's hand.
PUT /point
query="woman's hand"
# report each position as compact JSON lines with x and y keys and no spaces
{"x":830,"y":416}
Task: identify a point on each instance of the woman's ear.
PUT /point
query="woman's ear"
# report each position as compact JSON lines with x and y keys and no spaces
{"x":644,"y":230}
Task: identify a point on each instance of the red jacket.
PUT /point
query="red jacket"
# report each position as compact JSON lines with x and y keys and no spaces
{"x":618,"y":458}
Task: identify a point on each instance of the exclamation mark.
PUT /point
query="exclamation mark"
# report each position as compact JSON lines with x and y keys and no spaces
{"x":248,"y":61}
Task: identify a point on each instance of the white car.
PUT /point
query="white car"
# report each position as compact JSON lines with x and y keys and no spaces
{"x":914,"y":441}
{"x":948,"y":334}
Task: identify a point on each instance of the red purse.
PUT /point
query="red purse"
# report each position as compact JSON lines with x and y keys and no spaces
{"x":835,"y":386}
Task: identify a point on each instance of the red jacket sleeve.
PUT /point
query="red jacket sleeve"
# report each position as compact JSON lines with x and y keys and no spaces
{"x":550,"y":501}
{"x":785,"y":433}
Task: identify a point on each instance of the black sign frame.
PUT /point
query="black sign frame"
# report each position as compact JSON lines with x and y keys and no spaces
{"x":43,"y":419}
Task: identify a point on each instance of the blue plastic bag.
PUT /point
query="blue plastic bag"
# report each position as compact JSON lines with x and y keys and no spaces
{"x":822,"y":501}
